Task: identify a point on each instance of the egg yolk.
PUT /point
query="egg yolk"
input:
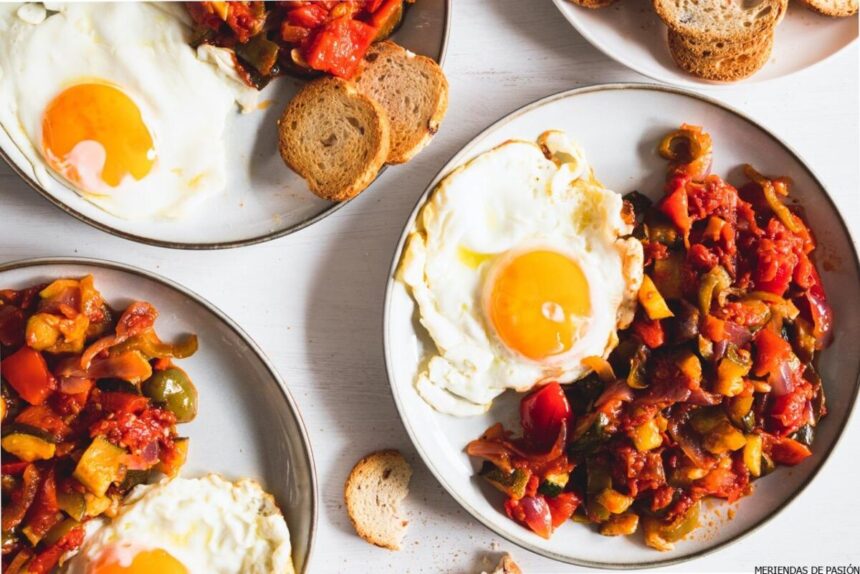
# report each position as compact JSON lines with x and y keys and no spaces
{"x":156,"y":561}
{"x":93,"y":134}
{"x":534,"y":300}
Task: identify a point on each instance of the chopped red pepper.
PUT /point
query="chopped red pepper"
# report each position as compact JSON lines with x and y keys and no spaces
{"x":650,"y":331}
{"x":28,"y":373}
{"x":562,"y":507}
{"x":339,"y":46}
{"x":542,"y":414}
{"x":771,"y":350}
{"x":308,"y":16}
{"x":788,"y":451}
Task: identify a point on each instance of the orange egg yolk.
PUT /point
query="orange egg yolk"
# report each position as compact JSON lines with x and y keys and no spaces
{"x":534,"y":300}
{"x":93,"y":134}
{"x":156,"y":561}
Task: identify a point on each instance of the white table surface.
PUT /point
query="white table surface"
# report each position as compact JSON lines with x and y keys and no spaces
{"x":313,"y":300}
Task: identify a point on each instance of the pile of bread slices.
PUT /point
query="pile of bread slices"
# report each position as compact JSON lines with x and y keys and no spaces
{"x":337,"y":134}
{"x":726,"y":40}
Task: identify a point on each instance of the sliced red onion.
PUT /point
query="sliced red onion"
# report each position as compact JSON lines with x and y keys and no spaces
{"x":537,"y":515}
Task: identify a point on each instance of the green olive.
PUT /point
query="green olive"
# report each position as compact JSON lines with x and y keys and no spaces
{"x":173,"y":389}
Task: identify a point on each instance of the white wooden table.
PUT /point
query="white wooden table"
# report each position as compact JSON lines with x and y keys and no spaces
{"x":321,"y":291}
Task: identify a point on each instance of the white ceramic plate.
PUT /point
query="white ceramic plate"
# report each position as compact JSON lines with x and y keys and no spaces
{"x":247,"y":424}
{"x":631,"y":33}
{"x":263,"y":199}
{"x":623,"y":154}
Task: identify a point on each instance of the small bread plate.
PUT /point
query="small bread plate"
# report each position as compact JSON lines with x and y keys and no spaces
{"x":623,"y":154}
{"x":632,"y":34}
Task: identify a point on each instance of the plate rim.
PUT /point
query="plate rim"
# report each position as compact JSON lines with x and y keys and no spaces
{"x":213,"y":245}
{"x":692,"y":82}
{"x":233,"y":326}
{"x":391,"y":281}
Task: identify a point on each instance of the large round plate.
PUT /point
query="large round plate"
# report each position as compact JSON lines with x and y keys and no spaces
{"x":632,"y":34}
{"x":263,"y":199}
{"x":623,"y":154}
{"x":248,"y":424}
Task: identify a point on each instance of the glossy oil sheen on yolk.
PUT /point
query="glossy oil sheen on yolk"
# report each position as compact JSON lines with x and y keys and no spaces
{"x":156,"y":561}
{"x":534,"y":302}
{"x":86,"y":116}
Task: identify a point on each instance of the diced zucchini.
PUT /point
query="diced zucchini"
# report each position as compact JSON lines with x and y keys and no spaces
{"x":667,"y":275}
{"x":598,"y":480}
{"x":805,"y":435}
{"x":553,"y":484}
{"x":28,"y":447}
{"x":100,"y":466}
{"x":662,"y":536}
{"x":705,"y":419}
{"x":620,"y":524}
{"x":511,"y":483}
{"x":614,"y":501}
{"x":646,"y":436}
{"x":654,"y":304}
{"x":731,"y":372}
{"x":58,"y":531}
{"x":725,"y":437}
{"x":96,"y":505}
{"x":590,"y":439}
{"x":752,"y":454}
{"x":739,"y":408}
{"x":72,"y":503}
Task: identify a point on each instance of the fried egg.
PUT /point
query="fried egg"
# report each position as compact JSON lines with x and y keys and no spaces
{"x":111,"y":99}
{"x":189,"y":525}
{"x":520,"y":267}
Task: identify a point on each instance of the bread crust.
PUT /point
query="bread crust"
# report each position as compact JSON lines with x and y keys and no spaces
{"x":408,"y":138}
{"x":373,"y":463}
{"x":305,"y":109}
{"x":736,"y":62}
{"x":833,"y":8}
{"x":770,"y":13}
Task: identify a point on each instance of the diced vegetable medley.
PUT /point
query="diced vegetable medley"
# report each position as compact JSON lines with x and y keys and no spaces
{"x":298,"y":37}
{"x":712,"y":386}
{"x":90,"y":403}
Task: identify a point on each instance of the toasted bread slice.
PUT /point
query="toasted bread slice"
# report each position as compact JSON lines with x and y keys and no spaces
{"x":412,"y":89}
{"x":373,"y":492}
{"x":715,"y":20}
{"x":835,"y":8}
{"x":335,"y":137}
{"x":727,"y":63}
{"x":593,"y":4}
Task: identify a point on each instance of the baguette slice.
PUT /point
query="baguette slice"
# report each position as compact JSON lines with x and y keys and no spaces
{"x":413,"y":91}
{"x":726,"y":20}
{"x":730,"y":64}
{"x":373,"y":492}
{"x":335,"y":137}
{"x":835,"y":8}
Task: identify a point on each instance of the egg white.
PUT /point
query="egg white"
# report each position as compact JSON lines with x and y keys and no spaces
{"x":143,"y":50}
{"x":516,"y":197}
{"x":208,"y":524}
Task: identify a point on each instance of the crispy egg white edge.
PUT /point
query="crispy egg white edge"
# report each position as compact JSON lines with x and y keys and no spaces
{"x":556,"y":147}
{"x":141,"y":493}
{"x":217,"y":60}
